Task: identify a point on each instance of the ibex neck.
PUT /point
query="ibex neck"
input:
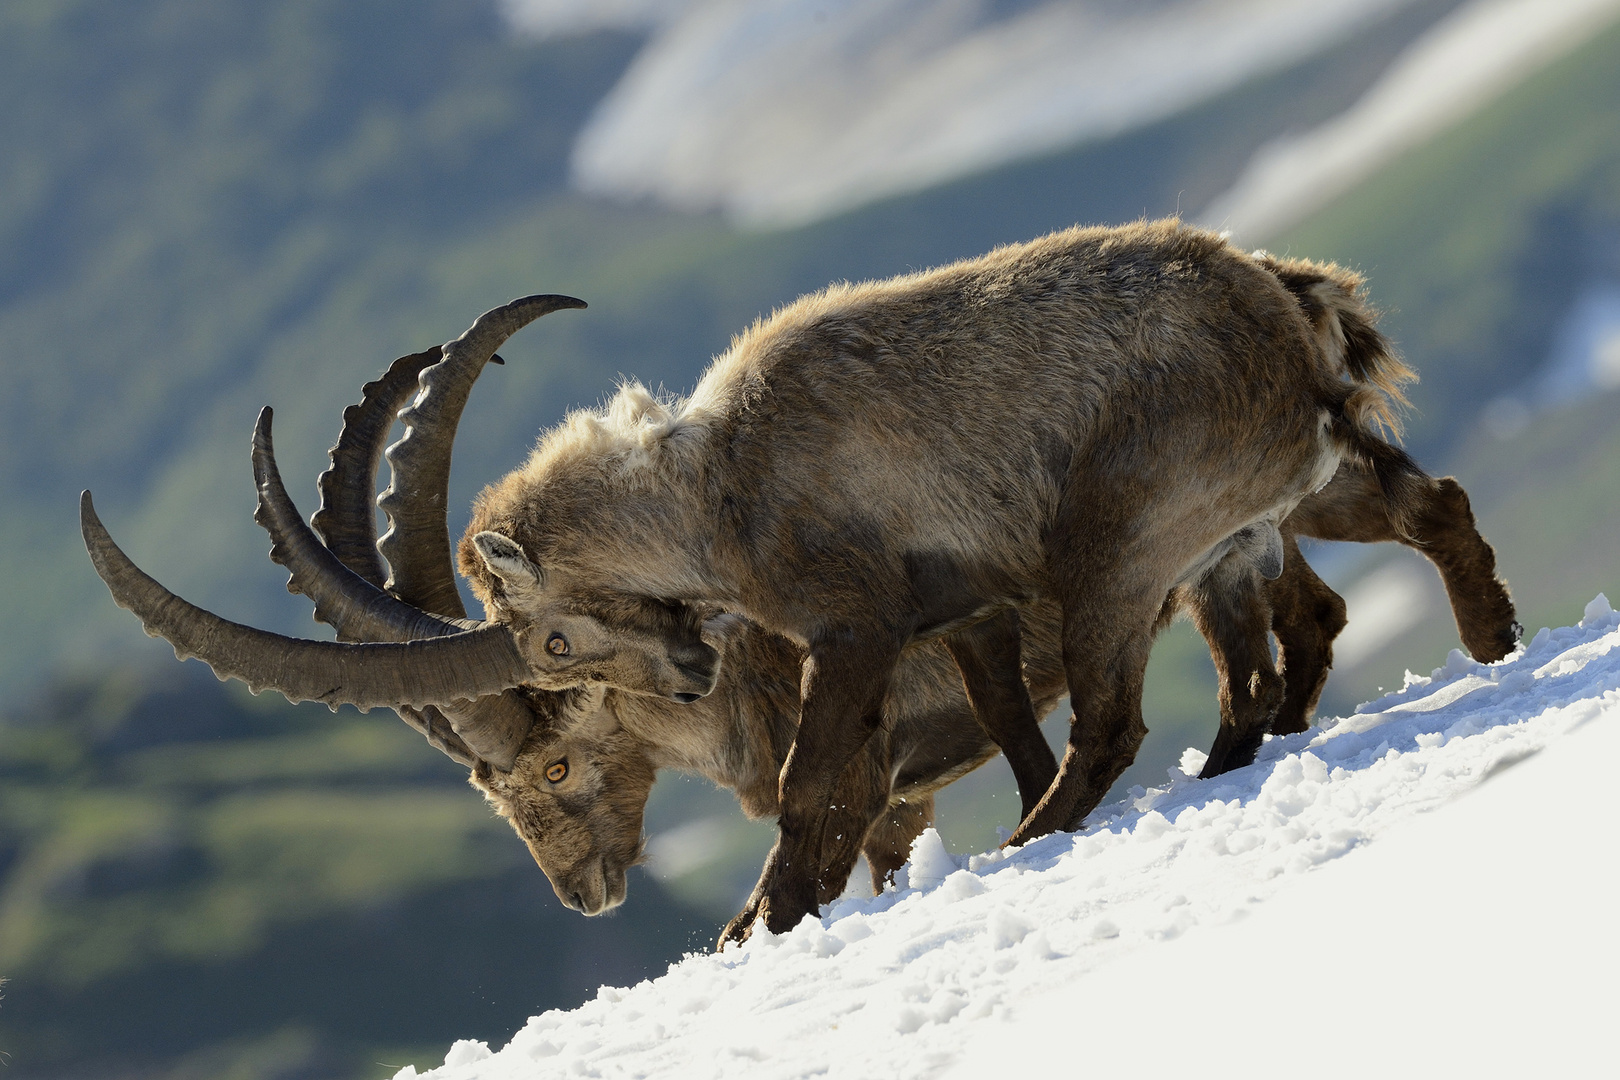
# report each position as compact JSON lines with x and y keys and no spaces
{"x":738,"y":737}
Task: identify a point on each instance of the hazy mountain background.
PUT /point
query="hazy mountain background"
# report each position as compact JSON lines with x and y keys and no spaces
{"x":208,"y":207}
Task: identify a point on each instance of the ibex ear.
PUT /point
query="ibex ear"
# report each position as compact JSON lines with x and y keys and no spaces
{"x":506,"y":560}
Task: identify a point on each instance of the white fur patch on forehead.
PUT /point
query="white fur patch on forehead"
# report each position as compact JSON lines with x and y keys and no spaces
{"x":631,"y":426}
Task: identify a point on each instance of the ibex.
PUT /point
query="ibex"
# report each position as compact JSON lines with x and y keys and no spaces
{"x":1182,"y":398}
{"x":578,"y":790}
{"x":580,"y":787}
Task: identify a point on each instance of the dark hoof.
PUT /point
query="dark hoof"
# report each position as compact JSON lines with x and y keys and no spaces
{"x":737,"y":931}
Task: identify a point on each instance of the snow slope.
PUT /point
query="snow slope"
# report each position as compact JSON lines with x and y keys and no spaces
{"x":1307,"y":911}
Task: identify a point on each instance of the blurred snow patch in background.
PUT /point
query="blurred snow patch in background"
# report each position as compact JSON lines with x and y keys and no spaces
{"x":1464,"y":61}
{"x":1381,"y":606}
{"x":779,"y":112}
{"x":564,"y":18}
{"x":688,"y":847}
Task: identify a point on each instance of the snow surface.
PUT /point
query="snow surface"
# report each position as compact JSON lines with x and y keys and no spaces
{"x":1462,"y":63}
{"x":779,"y":112}
{"x":1308,"y":912}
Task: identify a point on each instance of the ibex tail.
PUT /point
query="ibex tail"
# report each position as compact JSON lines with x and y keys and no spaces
{"x":1372,"y":374}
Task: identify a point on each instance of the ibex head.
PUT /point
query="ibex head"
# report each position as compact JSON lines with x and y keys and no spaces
{"x":576,"y":795}
{"x":406,"y":645}
{"x":574,"y":637}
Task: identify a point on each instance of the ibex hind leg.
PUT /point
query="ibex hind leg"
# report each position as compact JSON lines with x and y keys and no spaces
{"x":1306,"y":616}
{"x":1229,"y":609}
{"x":988,"y":655}
{"x":1439,"y":526}
{"x":1445,"y":531}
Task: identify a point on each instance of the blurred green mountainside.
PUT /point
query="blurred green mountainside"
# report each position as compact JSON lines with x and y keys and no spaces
{"x":208,"y":207}
{"x":204,"y":884}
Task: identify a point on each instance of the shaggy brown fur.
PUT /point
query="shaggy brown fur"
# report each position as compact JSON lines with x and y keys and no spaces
{"x":1089,"y":418}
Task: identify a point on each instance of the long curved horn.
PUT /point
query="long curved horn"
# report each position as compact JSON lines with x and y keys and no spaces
{"x":357,"y":609}
{"x":492,"y":727}
{"x":346,"y":520}
{"x":468,"y":664}
{"x":417,"y":546}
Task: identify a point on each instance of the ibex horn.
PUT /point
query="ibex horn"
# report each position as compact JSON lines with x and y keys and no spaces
{"x":492,"y":728}
{"x":467,"y":664}
{"x":346,"y":520}
{"x":417,"y":545}
{"x":357,"y":609}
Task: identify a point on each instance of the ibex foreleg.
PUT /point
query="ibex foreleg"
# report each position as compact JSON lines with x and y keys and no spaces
{"x":841,"y":706}
{"x":989,"y":656}
{"x":888,"y":841}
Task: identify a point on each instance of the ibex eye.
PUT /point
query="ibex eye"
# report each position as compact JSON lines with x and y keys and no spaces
{"x":557,"y":771}
{"x":557,"y":645}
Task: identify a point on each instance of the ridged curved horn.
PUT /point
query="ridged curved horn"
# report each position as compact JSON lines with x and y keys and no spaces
{"x":358,"y":610}
{"x":469,"y":664}
{"x":417,"y":545}
{"x":347,"y":518}
{"x":492,"y":728}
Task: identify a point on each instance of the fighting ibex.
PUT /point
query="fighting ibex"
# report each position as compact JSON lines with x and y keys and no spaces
{"x":577,"y":794}
{"x":1090,"y":418}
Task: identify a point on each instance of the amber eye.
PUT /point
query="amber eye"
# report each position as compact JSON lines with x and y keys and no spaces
{"x":557,"y":645}
{"x":556,"y":771}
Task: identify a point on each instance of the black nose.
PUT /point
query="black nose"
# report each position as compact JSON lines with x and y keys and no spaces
{"x":686,"y":699}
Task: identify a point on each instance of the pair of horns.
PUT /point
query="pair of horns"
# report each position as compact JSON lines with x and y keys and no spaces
{"x":405,"y":645}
